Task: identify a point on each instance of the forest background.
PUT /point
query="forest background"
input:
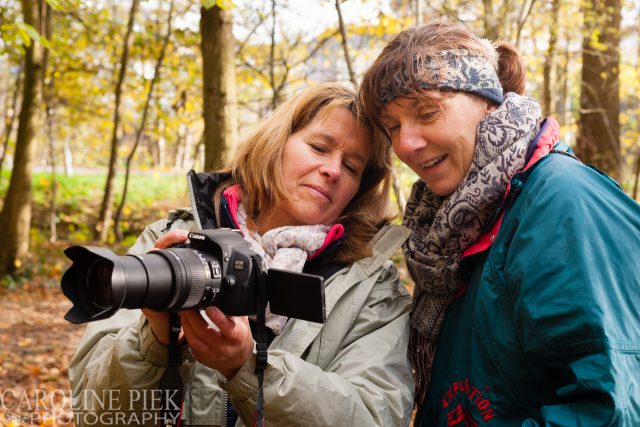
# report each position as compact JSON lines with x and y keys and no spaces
{"x":104,"y":106}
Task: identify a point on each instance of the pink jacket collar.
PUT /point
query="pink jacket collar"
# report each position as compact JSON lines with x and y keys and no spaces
{"x":547,"y":140}
{"x":233,"y":195}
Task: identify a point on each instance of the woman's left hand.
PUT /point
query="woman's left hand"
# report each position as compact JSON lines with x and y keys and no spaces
{"x":225,"y":350}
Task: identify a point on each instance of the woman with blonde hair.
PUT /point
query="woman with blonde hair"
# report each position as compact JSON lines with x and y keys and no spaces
{"x":308,"y":190}
{"x":526,"y":280}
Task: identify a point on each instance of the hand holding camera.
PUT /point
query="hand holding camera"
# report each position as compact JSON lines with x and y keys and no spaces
{"x":216,"y":271}
{"x":224,"y":350}
{"x":159,"y":320}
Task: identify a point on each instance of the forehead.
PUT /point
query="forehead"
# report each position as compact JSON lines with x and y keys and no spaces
{"x":406,"y":105}
{"x":336,"y":122}
{"x":342,"y":130}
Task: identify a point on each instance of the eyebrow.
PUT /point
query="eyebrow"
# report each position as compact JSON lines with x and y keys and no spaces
{"x":331,"y":140}
{"x":415,"y":102}
{"x":360,"y":158}
{"x":384,"y":117}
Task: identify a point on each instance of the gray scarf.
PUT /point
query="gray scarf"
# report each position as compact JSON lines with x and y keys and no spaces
{"x":443,"y":227}
{"x":286,"y":248}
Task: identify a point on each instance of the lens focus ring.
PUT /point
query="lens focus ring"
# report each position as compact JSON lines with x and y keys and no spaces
{"x":190,"y":277}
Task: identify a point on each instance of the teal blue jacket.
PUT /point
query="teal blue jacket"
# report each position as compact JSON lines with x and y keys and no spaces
{"x":547,"y":331}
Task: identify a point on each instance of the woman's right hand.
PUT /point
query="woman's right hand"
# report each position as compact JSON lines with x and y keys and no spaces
{"x":159,"y":320}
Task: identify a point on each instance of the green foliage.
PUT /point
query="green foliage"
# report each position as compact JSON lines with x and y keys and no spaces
{"x":150,"y":197}
{"x":26,"y":33}
{"x":61,"y":5}
{"x":87,"y":39}
{"x":12,"y":283}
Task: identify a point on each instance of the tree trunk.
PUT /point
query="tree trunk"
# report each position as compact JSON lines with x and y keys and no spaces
{"x":68,"y":158}
{"x":162,"y":145}
{"x":563,"y":104}
{"x":181,"y":147}
{"x":143,"y":122}
{"x":504,"y":18}
{"x":10,"y":120}
{"x":525,"y":11}
{"x":103,"y":224}
{"x":550,"y":58}
{"x":345,"y":44}
{"x":401,"y":200}
{"x":491,"y":30}
{"x":219,"y":89}
{"x":272,"y":59}
{"x":16,"y":212}
{"x":598,"y":126}
{"x":48,"y":90}
{"x":53,"y":217}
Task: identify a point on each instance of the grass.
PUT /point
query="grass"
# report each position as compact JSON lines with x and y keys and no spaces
{"x":78,"y":197}
{"x":150,"y":197}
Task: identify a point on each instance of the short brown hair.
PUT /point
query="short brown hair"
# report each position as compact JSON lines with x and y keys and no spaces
{"x":434,"y":37}
{"x":257,"y":165}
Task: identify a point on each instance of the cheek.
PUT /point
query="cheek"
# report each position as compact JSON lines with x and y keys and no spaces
{"x":400,"y":150}
{"x":469,"y":149}
{"x":348,"y":193}
{"x":293,"y":168}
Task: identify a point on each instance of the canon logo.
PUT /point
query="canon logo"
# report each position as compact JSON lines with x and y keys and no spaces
{"x":196,"y":236}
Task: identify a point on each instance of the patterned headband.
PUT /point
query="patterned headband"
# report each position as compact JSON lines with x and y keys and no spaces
{"x":448,"y":70}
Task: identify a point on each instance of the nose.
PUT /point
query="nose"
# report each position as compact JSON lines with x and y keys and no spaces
{"x":331,"y":167}
{"x":409,"y":140}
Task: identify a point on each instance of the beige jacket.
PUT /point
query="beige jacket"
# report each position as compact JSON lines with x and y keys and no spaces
{"x":351,"y":371}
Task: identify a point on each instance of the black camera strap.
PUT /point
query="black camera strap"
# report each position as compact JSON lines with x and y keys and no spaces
{"x":261,"y":340}
{"x":171,"y":381}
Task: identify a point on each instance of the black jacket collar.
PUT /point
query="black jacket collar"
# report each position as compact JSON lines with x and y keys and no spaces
{"x":202,"y":187}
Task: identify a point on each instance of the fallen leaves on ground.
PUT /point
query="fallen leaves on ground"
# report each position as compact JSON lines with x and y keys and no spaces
{"x":36,"y":346}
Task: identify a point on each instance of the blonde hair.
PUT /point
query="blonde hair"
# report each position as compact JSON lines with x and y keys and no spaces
{"x":257,"y":166}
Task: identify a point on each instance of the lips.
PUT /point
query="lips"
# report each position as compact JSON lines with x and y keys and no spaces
{"x":320,"y":190}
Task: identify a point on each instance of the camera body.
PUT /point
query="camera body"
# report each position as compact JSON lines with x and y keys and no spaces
{"x":216,"y":268}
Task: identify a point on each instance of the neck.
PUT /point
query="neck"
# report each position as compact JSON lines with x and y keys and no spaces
{"x":266,"y":221}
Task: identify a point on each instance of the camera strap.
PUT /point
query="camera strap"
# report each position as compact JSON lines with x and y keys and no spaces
{"x":261,"y":340}
{"x":171,"y":381}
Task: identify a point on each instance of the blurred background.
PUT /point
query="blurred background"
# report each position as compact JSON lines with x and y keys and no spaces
{"x":105,"y":105}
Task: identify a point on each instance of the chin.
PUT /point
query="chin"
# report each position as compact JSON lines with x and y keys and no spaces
{"x":442,"y":187}
{"x":441,"y":190}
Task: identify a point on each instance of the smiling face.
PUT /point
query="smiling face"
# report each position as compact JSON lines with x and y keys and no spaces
{"x":436,"y":142}
{"x":322,"y":165}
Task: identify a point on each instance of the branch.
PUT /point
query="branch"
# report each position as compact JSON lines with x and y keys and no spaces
{"x":522,"y":19}
{"x":251,"y":33}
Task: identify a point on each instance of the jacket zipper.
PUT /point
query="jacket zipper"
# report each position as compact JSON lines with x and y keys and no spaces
{"x":277,"y":338}
{"x":192,"y":199}
{"x":226,"y":408}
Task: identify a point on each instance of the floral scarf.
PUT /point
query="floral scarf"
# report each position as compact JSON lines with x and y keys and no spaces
{"x":286,"y":248}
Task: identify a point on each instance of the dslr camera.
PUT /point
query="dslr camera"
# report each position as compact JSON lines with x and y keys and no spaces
{"x":216,"y":268}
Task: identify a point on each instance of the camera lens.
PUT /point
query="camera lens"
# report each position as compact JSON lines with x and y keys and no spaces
{"x":97,"y":290}
{"x":100,"y":282}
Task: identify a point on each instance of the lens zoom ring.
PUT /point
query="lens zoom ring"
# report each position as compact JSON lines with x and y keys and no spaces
{"x":190,"y":286}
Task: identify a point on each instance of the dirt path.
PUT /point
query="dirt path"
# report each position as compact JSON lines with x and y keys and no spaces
{"x":36,"y":345}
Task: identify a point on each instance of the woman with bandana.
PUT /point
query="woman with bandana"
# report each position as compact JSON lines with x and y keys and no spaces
{"x":525,"y":261}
